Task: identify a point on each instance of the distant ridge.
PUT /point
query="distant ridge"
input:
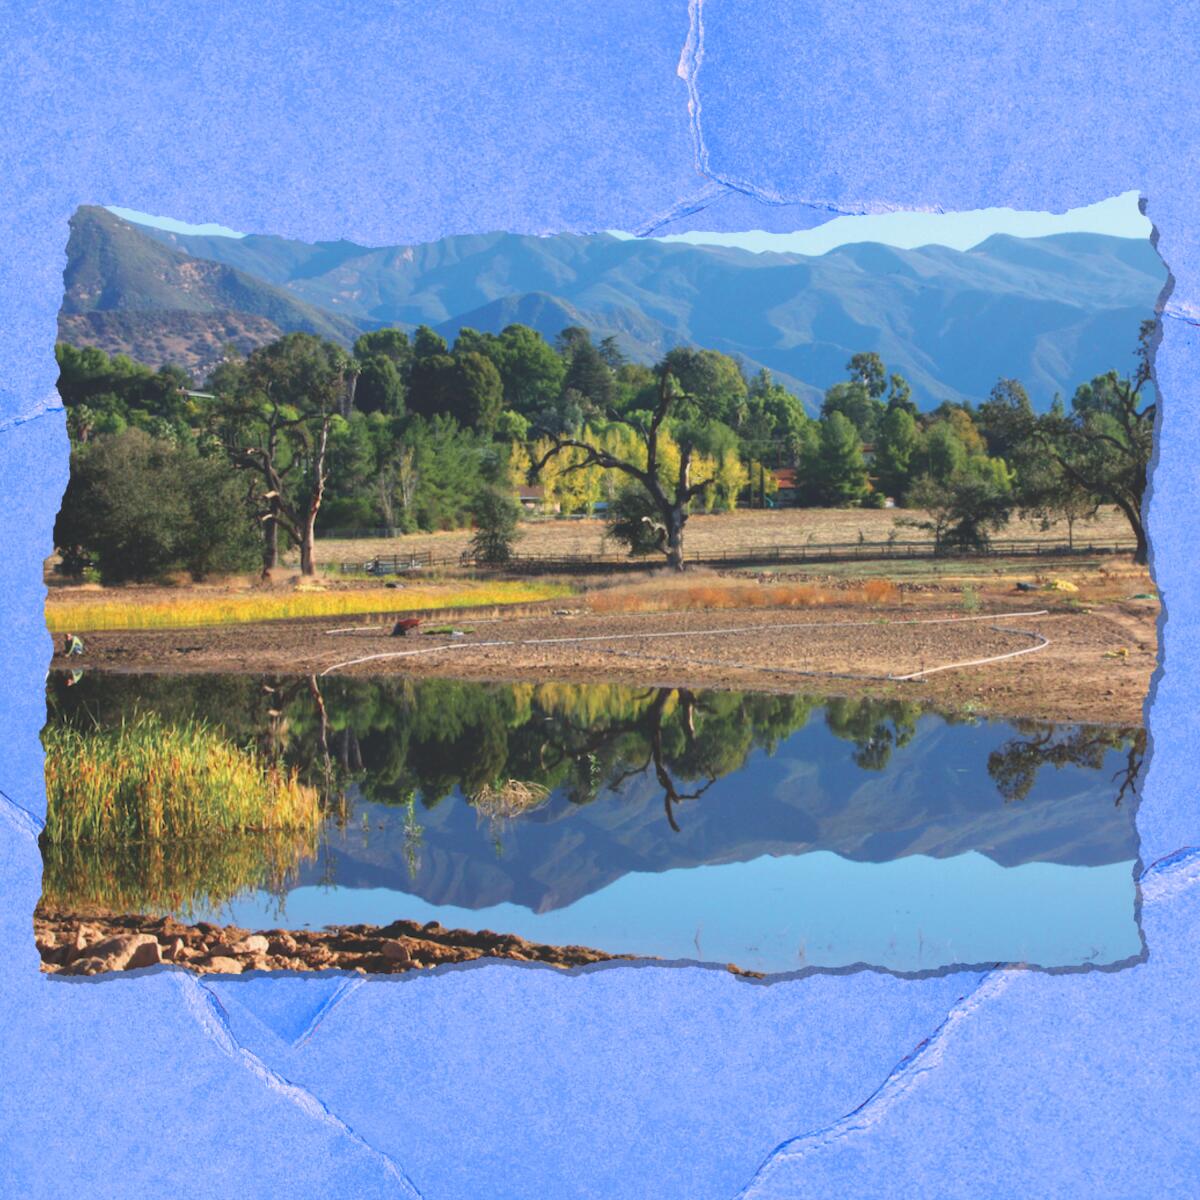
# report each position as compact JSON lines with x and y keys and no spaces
{"x":1052,"y":311}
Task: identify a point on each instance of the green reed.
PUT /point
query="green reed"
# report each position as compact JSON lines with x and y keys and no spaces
{"x":145,"y":781}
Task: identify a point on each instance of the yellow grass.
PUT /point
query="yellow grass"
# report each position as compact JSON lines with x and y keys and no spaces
{"x":715,"y":593}
{"x":125,"y":612}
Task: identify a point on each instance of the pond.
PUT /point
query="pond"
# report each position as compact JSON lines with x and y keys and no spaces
{"x":776,"y":832}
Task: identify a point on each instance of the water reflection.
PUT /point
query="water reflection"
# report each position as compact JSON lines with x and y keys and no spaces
{"x":632,"y":817}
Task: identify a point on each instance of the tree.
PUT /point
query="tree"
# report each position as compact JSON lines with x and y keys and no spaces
{"x":672,"y":495}
{"x":380,"y":386}
{"x":141,"y":507}
{"x":477,"y":395}
{"x":1047,"y":492}
{"x":775,"y":426}
{"x":867,"y":368}
{"x":963,"y":509}
{"x":465,"y":386}
{"x":496,"y":515}
{"x":530,"y":372}
{"x":587,"y":373}
{"x":1006,"y":420}
{"x":854,"y":402}
{"x":943,"y":454}
{"x":276,"y":427}
{"x":900,"y":396}
{"x":838,"y":471}
{"x":634,"y":519}
{"x":714,"y":381}
{"x":431,"y":385}
{"x":1104,"y":445}
{"x":426,"y":343}
{"x":894,"y":450}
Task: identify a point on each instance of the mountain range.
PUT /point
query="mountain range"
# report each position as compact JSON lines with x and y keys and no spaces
{"x":1050,"y":311}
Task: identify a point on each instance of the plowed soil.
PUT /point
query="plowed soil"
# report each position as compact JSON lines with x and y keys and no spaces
{"x":1096,"y":666}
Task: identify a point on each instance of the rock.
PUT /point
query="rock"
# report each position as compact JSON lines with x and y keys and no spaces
{"x":118,"y":950}
{"x":282,"y":947}
{"x":47,"y":941}
{"x":218,"y":962}
{"x":87,"y":966}
{"x":148,"y":954}
{"x":396,"y":952}
{"x":254,"y":944}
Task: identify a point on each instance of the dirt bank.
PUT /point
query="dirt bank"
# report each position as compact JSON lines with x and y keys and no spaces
{"x":1096,"y":666}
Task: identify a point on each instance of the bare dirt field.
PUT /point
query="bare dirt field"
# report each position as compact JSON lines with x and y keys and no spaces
{"x":1090,"y":657}
{"x":709,"y":533}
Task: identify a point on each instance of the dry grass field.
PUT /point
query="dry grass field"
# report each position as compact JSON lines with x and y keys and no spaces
{"x":750,"y":528}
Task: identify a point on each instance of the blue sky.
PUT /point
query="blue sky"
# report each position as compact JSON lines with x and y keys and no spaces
{"x":1118,"y":216}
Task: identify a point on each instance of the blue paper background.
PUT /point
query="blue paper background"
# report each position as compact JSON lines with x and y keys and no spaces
{"x":387,"y":122}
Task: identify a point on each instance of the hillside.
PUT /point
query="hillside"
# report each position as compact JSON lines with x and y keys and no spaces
{"x":1051,"y":311}
{"x":128,"y":292}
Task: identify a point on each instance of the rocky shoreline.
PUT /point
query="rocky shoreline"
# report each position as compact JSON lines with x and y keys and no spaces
{"x":79,"y":944}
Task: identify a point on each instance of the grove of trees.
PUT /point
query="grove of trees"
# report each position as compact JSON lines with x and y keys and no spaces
{"x":408,"y":432}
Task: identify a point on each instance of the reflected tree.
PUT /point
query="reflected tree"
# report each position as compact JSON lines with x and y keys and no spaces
{"x":1016,"y":765}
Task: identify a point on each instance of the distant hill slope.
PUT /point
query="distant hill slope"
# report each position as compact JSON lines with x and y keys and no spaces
{"x":137,"y":295}
{"x":1051,"y":311}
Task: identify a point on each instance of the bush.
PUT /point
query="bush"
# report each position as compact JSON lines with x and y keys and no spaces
{"x":139,"y":507}
{"x":496,"y":515}
{"x":634,"y":520}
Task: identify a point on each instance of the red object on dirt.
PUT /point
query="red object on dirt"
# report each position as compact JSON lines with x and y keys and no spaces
{"x":404,"y":626}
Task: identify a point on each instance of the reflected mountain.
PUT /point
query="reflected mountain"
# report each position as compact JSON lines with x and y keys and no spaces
{"x":473,"y":795}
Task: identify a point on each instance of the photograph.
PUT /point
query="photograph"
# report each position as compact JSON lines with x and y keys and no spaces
{"x":777,"y":602}
{"x":600,"y":601}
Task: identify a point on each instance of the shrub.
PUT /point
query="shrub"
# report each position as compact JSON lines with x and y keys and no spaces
{"x":496,"y":515}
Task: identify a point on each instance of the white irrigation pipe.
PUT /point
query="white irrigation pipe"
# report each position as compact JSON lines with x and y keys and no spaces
{"x":620,"y":637}
{"x":1043,"y":642}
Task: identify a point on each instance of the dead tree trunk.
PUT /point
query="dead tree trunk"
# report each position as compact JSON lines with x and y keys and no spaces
{"x":308,"y":565}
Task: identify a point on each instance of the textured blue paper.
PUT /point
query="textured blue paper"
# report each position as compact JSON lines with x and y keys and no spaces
{"x":388,"y":122}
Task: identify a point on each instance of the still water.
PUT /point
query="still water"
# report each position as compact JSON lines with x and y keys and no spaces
{"x":774,"y":832}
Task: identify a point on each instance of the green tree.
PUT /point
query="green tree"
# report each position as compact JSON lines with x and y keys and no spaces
{"x":275,"y":427}
{"x":530,"y":372}
{"x":141,"y":507}
{"x":1104,"y":445}
{"x":634,"y":520}
{"x":380,"y":386}
{"x":426,"y":343}
{"x":496,"y":515}
{"x":587,"y":374}
{"x":894,"y":450}
{"x":942,"y":453}
{"x":838,"y":472}
{"x":477,"y":393}
{"x":867,"y":368}
{"x":965,"y":509}
{"x":713,"y":380}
